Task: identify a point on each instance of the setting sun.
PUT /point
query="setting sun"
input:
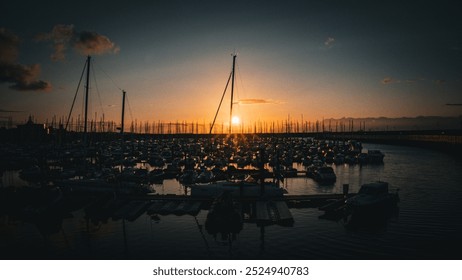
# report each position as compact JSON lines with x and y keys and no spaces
{"x":235,"y":120}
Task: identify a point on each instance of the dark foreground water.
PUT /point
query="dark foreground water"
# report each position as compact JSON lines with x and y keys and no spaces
{"x":428,"y":224}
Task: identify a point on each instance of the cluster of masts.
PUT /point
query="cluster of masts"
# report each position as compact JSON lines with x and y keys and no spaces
{"x":196,"y":128}
{"x":85,"y":125}
{"x":87,"y":88}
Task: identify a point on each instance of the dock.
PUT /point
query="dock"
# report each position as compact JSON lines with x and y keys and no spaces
{"x":295,"y":201}
{"x":267,"y":210}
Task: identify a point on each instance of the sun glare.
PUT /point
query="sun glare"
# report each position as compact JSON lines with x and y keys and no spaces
{"x":235,"y":120}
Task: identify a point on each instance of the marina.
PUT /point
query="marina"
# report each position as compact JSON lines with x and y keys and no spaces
{"x":282,"y":139}
{"x":304,"y":193}
{"x":308,"y":215}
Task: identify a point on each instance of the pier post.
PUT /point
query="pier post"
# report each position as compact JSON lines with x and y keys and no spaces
{"x":262,"y":170}
{"x":345,"y":190}
{"x":241,"y":188}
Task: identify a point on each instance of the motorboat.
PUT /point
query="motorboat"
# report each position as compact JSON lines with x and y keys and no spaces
{"x":324,"y":175}
{"x":372,"y":198}
{"x":375,"y":156}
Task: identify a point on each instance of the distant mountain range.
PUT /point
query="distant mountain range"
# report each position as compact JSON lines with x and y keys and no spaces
{"x":384,"y":123}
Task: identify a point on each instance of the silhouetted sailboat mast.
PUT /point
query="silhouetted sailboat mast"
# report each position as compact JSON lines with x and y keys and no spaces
{"x":232,"y":95}
{"x":123,"y":112}
{"x":231,"y":77}
{"x":87,"y":88}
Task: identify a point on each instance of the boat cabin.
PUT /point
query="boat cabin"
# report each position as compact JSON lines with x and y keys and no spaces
{"x":374,"y":188}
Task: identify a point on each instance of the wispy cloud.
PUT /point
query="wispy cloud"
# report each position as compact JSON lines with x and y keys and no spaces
{"x":387,"y":80}
{"x":329,"y":42}
{"x":22,"y":77}
{"x":86,"y":42}
{"x":251,"y":101}
{"x":390,"y":80}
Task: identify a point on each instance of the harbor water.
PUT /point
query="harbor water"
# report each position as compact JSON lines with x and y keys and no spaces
{"x":427,"y":224}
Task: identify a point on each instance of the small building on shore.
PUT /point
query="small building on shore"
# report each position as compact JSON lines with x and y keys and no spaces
{"x":31,"y":132}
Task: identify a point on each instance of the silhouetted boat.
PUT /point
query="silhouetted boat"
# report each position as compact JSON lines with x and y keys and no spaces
{"x":324,"y":175}
{"x":372,"y":198}
{"x":224,"y":217}
{"x":33,"y":173}
{"x":375,"y":156}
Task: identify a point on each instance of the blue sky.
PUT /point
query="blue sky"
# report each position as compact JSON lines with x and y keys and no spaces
{"x":316,"y":59}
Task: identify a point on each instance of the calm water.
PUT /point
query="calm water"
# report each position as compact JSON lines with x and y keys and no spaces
{"x":428,"y":225}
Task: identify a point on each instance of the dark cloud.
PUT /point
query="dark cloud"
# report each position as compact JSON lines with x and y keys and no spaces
{"x":60,"y":35}
{"x":89,"y":43}
{"x":440,"y":82}
{"x":9,"y":45}
{"x":22,"y":77}
{"x":86,"y":43}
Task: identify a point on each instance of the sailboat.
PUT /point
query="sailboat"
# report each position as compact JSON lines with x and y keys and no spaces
{"x":87,"y":87}
{"x":231,"y":77}
{"x":102,"y":180}
{"x":249,"y":187}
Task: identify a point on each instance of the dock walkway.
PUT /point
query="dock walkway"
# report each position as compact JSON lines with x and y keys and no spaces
{"x":291,"y":199}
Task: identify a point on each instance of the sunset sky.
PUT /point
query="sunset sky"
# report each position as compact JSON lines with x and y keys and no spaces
{"x":316,"y":59}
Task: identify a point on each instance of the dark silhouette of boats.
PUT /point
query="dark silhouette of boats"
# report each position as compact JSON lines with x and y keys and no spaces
{"x":224,"y":217}
{"x":373,"y":203}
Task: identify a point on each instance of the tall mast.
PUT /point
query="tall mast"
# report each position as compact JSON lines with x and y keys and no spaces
{"x":86,"y":97}
{"x":123,"y":112}
{"x":232,"y":94}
